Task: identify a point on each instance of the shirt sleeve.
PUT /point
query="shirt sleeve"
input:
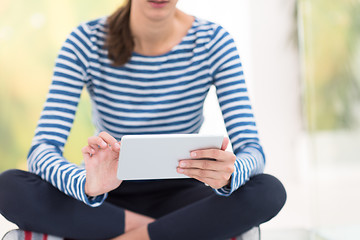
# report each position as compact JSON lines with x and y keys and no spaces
{"x":45,"y":157}
{"x":231,"y":90}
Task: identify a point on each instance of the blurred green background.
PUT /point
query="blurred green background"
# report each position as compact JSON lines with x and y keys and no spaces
{"x":331,"y":49}
{"x":31,"y":35}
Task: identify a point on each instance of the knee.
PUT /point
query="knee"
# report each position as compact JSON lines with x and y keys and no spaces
{"x":271,"y":194}
{"x":10,"y":185}
{"x":263,"y":195}
{"x":8,"y":181}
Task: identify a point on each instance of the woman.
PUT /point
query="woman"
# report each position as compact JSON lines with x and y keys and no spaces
{"x":147,"y":68}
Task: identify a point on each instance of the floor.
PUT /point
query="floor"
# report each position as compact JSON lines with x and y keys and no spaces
{"x":5,"y":226}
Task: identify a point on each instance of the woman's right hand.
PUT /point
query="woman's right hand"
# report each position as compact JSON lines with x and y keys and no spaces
{"x":101,"y":162}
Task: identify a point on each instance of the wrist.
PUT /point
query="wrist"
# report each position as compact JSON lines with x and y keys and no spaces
{"x":228,"y":184}
{"x":89,"y":190}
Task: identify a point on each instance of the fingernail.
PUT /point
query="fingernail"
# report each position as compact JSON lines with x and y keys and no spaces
{"x":182,"y":164}
{"x":180,"y":170}
{"x":193,"y":154}
{"x":117,"y":145}
{"x":103,"y":144}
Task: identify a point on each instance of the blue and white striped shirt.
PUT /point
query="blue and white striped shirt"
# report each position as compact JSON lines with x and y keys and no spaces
{"x":148,"y":95}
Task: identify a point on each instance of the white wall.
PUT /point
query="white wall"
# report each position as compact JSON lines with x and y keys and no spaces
{"x":277,"y":84}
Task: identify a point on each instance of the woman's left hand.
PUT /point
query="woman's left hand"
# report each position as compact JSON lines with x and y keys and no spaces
{"x":213,"y":167}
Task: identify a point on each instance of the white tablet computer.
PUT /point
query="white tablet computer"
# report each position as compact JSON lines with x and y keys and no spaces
{"x":157,"y":156}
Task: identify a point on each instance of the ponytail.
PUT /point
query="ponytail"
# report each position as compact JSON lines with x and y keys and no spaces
{"x":119,"y":40}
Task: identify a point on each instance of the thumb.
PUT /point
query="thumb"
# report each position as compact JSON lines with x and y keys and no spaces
{"x":225,"y":143}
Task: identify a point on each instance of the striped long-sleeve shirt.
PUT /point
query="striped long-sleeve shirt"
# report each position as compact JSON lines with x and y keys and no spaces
{"x":148,"y":95}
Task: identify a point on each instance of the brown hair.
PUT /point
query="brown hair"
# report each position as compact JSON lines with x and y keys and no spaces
{"x":119,"y":40}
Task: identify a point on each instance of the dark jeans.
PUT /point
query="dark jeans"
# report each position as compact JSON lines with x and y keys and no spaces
{"x":183,"y":208}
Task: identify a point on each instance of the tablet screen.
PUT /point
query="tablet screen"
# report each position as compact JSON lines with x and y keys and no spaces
{"x":157,"y":156}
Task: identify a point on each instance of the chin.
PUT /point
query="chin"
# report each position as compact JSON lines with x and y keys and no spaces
{"x":160,"y":9}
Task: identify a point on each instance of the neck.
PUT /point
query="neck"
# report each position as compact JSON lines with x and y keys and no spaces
{"x":149,"y":34}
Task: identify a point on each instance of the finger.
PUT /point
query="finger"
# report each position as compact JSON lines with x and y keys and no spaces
{"x":213,"y":183}
{"x":198,"y":173}
{"x":213,"y":178}
{"x":97,"y":142}
{"x":213,"y":153}
{"x":209,"y":182}
{"x":87,"y":150}
{"x":110,"y":140}
{"x":225,"y":143}
{"x":201,"y":164}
